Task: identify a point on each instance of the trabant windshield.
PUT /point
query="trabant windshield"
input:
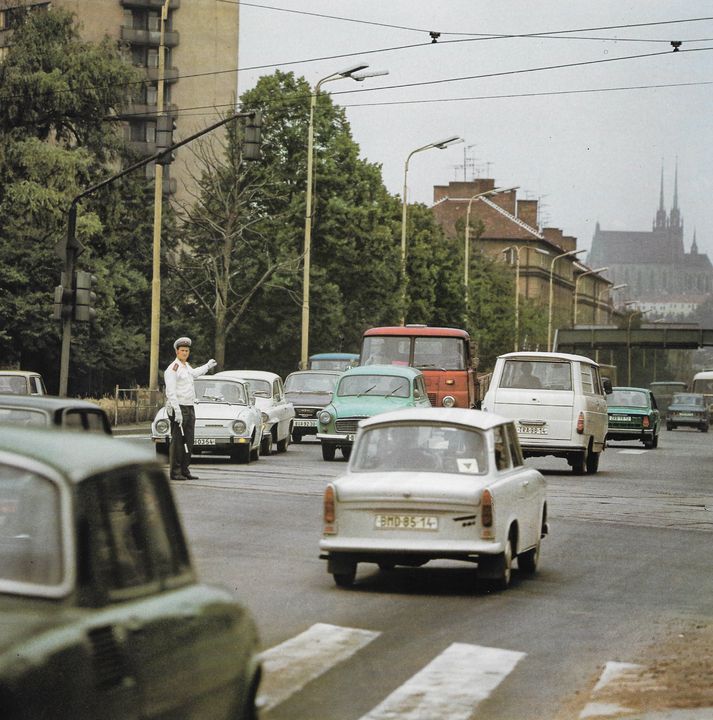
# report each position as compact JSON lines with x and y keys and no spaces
{"x":627,"y":398}
{"x":374,"y":385}
{"x":424,"y":447}
{"x":702,"y":385}
{"x":212,"y":390}
{"x":537,"y":374}
{"x":30,"y":528}
{"x":680,"y":399}
{"x":13,"y":385}
{"x":262,"y":388}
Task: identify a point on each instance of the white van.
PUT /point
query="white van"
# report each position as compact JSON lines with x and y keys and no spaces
{"x":703,"y":383}
{"x":558,"y":402}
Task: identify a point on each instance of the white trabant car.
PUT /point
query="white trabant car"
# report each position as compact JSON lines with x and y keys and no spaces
{"x":278,"y":413}
{"x":558,"y":402}
{"x":435,"y":483}
{"x":227,"y":421}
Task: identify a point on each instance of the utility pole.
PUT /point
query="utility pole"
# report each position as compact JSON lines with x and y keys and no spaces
{"x":158,"y":211}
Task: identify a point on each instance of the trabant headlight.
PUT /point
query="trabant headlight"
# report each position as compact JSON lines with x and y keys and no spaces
{"x":324,"y":417}
{"x":239,"y":427}
{"x":265,"y":418}
{"x":449,"y":401}
{"x":162,"y":426}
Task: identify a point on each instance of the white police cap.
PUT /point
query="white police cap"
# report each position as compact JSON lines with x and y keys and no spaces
{"x":182,"y":342}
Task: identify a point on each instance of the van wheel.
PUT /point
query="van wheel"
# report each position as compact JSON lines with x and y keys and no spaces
{"x":328,"y":451}
{"x":592,"y":462}
{"x":577,"y":463}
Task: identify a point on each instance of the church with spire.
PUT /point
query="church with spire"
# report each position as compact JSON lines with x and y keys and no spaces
{"x":654,"y":264}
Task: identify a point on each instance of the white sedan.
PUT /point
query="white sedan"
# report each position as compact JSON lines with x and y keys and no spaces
{"x":227,"y":421}
{"x":269,"y":394}
{"x":426,"y":484}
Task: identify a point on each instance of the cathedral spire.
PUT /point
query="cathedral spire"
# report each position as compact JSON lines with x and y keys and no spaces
{"x":694,"y":244}
{"x":676,"y":223}
{"x":660,"y":222}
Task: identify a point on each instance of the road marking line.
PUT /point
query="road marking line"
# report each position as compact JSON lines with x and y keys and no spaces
{"x":613,"y":672}
{"x":288,"y":667}
{"x":451,"y":685}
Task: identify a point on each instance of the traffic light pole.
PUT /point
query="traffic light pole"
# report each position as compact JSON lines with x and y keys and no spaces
{"x":72,"y":248}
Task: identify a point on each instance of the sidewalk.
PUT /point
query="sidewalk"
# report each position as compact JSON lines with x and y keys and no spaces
{"x":141,"y":428}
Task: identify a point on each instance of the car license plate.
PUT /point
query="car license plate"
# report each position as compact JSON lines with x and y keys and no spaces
{"x":621,"y":418}
{"x":305,"y":423}
{"x":406,"y":522}
{"x":532,"y":429}
{"x":204,"y":441}
{"x":685,"y":414}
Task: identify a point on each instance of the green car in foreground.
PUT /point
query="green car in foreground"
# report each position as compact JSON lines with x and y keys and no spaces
{"x":361,"y":393}
{"x":633,"y":415}
{"x":101,"y":614}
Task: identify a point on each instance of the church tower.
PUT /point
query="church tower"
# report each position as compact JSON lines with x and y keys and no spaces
{"x":661,"y":221}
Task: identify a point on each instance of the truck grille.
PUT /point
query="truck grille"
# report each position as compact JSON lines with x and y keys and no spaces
{"x":307,"y":413}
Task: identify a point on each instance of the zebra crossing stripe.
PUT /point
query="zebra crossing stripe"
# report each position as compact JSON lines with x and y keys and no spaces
{"x":451,"y":685}
{"x":613,"y":672}
{"x":288,"y":667}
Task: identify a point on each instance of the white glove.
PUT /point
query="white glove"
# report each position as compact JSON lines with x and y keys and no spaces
{"x":211,"y":364}
{"x":178,"y":416}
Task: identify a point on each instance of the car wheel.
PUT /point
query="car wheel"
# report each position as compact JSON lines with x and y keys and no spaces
{"x":266,"y":444}
{"x":282,"y":444}
{"x":577,"y":462}
{"x":669,"y":426}
{"x":347,"y":452}
{"x":328,"y":451}
{"x":704,"y":428}
{"x":527,"y":562}
{"x":296,"y":437}
{"x":346,"y":578}
{"x":592,"y":462}
{"x":502,"y":582}
{"x":655,"y":441}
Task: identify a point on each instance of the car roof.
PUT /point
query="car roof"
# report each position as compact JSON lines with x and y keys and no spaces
{"x":458,"y":416}
{"x":405,"y":370}
{"x":74,"y":455}
{"x":248,"y":374}
{"x":523,"y":354}
{"x":46,"y":402}
{"x":637,"y":389}
{"x":23,"y":373}
{"x":316,"y":371}
{"x":220,"y":376}
{"x":667,"y":382}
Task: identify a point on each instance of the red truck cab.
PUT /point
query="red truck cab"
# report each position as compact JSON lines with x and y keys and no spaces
{"x":443,"y":355}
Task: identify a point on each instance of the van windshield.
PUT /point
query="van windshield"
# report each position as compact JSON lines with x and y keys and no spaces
{"x":537,"y":374}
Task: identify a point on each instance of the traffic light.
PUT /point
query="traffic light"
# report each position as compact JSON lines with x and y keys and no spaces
{"x":84,"y":297}
{"x":251,"y":143}
{"x":63,"y":300}
{"x":165,"y":125}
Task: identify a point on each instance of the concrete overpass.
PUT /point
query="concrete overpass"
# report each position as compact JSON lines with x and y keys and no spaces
{"x":578,"y":340}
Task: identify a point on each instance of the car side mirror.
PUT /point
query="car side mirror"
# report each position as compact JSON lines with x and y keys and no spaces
{"x":606,"y":382}
{"x":416,"y":395}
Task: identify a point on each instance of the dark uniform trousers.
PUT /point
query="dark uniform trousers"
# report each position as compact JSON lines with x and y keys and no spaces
{"x":179,"y":459}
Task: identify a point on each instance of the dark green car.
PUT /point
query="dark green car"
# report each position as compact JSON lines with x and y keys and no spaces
{"x":362,"y":392}
{"x":633,"y":415}
{"x":101,"y":614}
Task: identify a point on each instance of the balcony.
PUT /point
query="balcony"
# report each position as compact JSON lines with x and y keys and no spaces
{"x":150,"y":4}
{"x":148,"y":37}
{"x":170,"y":74}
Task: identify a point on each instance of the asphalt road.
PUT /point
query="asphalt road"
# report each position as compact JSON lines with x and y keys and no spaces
{"x":626,"y":567}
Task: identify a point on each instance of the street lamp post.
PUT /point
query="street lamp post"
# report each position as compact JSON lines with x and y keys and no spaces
{"x":576,"y":290}
{"x":466,"y":248}
{"x":440,"y":145}
{"x":599,"y":299}
{"x":628,"y":337}
{"x":516,"y":249}
{"x":355,"y":74}
{"x":549,"y":314}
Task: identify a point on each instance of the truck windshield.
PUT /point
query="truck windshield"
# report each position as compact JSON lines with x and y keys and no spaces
{"x":430,"y":353}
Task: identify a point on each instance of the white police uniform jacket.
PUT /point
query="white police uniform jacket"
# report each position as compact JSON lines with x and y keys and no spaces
{"x":179,"y":378}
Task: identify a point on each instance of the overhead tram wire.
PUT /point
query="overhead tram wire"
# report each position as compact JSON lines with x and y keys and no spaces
{"x":186,"y":112}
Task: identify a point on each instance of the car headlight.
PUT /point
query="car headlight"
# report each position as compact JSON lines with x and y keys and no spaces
{"x":265,"y":418}
{"x":239,"y":427}
{"x":324,"y":417}
{"x":162,"y":427}
{"x":449,"y":401}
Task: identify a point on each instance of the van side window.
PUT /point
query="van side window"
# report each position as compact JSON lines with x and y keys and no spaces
{"x":515,"y":451}
{"x":587,"y":378}
{"x":598,"y":387}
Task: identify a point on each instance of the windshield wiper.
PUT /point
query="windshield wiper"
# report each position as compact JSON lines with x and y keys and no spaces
{"x":366,"y":391}
{"x":389,"y":394}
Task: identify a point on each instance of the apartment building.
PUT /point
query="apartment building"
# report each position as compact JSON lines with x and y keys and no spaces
{"x":201,"y":60}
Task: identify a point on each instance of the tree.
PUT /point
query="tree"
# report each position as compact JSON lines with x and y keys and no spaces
{"x":55,"y":93}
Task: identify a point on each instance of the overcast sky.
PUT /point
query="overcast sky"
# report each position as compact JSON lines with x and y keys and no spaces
{"x":567,"y":136}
